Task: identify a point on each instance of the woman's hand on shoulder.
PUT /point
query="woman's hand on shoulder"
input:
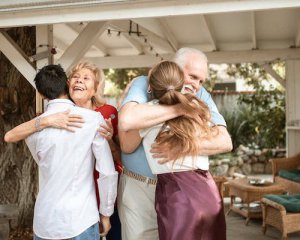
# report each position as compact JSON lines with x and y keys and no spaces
{"x":106,"y":130}
{"x":64,"y":120}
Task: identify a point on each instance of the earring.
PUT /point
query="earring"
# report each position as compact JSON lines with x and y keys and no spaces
{"x":149,"y":90}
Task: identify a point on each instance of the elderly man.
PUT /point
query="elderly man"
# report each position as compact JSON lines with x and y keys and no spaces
{"x":137,"y":183}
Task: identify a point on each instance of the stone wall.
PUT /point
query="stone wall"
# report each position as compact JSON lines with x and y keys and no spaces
{"x":246,"y":161}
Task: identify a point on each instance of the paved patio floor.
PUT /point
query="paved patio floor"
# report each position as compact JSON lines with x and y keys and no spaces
{"x":237,"y":230}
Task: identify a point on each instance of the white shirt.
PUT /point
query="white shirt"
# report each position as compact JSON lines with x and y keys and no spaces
{"x":66,"y":204}
{"x":183,"y":164}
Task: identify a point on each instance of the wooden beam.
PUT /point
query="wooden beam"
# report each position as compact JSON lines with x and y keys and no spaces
{"x":17,"y":57}
{"x":268,"y":68}
{"x":151,"y":37}
{"x":77,"y":28}
{"x":253,"y":29}
{"x":160,"y":28}
{"x":211,"y":37}
{"x":118,"y":26}
{"x":169,"y":35}
{"x":257,"y":56}
{"x":111,"y":10}
{"x":81,"y":44}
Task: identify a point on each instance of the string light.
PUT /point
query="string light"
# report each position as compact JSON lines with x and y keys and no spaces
{"x":138,"y":33}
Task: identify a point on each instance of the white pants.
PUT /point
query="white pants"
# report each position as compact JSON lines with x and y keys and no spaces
{"x":136,"y":209}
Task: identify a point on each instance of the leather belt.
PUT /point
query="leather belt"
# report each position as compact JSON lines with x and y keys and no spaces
{"x":139,"y":177}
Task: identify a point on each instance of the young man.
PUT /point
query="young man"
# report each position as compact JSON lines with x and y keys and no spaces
{"x":137,"y":183}
{"x":66,"y":205}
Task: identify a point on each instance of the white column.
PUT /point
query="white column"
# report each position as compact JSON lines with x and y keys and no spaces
{"x":293,"y":106}
{"x":44,"y":42}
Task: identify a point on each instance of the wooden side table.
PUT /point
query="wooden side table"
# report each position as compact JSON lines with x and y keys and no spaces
{"x":249,"y":194}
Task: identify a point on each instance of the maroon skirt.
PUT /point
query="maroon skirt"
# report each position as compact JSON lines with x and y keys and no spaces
{"x":189,"y":207}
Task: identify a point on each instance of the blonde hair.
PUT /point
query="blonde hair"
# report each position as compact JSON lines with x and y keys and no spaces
{"x":183,"y":133}
{"x":98,"y":79}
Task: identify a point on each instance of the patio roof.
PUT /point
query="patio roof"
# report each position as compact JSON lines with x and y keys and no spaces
{"x":228,"y":31}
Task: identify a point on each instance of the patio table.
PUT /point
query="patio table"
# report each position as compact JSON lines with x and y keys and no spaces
{"x":248,"y":194}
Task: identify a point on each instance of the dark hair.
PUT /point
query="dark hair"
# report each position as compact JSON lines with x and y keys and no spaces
{"x":51,"y":81}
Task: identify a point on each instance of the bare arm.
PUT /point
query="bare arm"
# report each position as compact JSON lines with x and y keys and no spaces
{"x":219,"y":143}
{"x":129,"y":140}
{"x":137,"y":116}
{"x":62,"y":120}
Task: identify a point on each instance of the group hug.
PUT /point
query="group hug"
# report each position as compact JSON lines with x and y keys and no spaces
{"x":137,"y":173}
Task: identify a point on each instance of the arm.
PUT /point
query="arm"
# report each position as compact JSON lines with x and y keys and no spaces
{"x":135,"y":114}
{"x":138,"y":116}
{"x":108,"y":179}
{"x":106,"y":226}
{"x":63,"y":120}
{"x":129,"y":140}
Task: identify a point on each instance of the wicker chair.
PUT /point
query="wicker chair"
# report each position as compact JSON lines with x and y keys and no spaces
{"x":286,"y":164}
{"x":274,"y":214}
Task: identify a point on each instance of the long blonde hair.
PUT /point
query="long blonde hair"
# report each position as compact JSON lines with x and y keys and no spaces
{"x":97,"y":99}
{"x":183,"y":133}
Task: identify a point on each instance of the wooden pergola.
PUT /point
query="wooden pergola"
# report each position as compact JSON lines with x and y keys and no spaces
{"x":139,"y":33}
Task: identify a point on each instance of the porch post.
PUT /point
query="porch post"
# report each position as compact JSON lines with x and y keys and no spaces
{"x":293,"y":106}
{"x":44,"y":43}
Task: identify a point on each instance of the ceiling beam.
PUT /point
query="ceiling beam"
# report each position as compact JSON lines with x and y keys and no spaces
{"x":258,"y":56}
{"x":211,"y":37}
{"x":123,"y":30}
{"x":268,"y":68}
{"x":17,"y":57}
{"x":82,"y":44}
{"x":169,"y":35}
{"x":152,"y":38}
{"x":160,"y":28}
{"x":78,"y":28}
{"x":253,"y":29}
{"x":104,"y":11}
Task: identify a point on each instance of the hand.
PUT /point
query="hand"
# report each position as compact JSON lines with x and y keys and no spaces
{"x":162,"y":151}
{"x":64,"y":120}
{"x":106,"y":130}
{"x":105,"y":222}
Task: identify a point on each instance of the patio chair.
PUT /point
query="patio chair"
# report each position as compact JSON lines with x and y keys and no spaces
{"x":281,"y":212}
{"x":286,"y":171}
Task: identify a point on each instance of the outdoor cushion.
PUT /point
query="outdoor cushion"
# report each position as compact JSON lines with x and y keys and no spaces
{"x":290,"y":202}
{"x":293,"y":175}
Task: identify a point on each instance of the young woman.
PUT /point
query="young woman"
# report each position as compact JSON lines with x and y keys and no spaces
{"x":187,"y":201}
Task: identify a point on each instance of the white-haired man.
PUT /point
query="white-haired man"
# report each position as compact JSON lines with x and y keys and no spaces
{"x":137,"y":183}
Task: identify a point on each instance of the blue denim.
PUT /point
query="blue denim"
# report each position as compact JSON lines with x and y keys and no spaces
{"x":92,"y":233}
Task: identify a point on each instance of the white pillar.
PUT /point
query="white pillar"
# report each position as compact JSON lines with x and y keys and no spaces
{"x":293,"y":106}
{"x":44,"y":42}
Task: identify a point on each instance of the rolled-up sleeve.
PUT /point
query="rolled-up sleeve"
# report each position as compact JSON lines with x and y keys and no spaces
{"x":108,"y":179}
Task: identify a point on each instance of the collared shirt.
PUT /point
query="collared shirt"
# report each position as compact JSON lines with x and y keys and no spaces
{"x":66,"y":203}
{"x":136,"y":161}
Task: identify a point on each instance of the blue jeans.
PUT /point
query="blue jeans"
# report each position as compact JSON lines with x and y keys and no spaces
{"x":92,"y":233}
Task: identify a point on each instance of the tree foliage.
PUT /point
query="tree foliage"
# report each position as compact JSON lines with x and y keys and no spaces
{"x":119,"y":78}
{"x":263,"y":114}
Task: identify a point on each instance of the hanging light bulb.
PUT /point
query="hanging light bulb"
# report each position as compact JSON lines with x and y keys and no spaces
{"x":108,"y":32}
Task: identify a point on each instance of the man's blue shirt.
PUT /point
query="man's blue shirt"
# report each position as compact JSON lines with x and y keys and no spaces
{"x":137,"y":161}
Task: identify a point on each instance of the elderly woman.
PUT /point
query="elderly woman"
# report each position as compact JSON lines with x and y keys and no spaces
{"x":86,"y":85}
